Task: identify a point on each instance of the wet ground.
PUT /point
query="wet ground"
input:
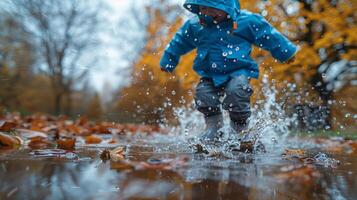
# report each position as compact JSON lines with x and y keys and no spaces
{"x":165,"y":168}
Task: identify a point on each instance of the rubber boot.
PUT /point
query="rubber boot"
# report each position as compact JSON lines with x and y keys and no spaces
{"x":239,"y":127}
{"x":248,"y":143}
{"x":213,"y":124}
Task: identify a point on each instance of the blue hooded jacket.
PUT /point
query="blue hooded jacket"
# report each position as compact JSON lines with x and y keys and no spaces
{"x":224,"y":51}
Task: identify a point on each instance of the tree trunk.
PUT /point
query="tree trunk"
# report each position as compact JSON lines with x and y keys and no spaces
{"x":68,"y":108}
{"x":58,"y":101}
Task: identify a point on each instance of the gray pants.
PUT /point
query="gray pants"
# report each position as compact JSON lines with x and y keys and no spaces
{"x":236,"y":101}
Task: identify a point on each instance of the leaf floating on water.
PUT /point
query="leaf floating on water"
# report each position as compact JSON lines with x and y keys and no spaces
{"x":105,"y":155}
{"x":117,"y":154}
{"x":10,"y":140}
{"x":66,"y":143}
{"x":93,"y":139}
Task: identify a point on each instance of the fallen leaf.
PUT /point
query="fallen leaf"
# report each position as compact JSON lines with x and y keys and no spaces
{"x":39,"y":143}
{"x":10,"y":140}
{"x":105,"y":155}
{"x":7,"y":126}
{"x":353,"y":145}
{"x":117,"y":154}
{"x":93,"y":139}
{"x":66,"y":143}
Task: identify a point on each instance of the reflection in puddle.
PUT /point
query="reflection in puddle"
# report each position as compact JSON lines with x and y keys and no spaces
{"x":245,"y":176}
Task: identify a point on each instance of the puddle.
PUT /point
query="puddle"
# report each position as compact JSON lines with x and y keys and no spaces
{"x":54,"y":174}
{"x":166,"y":166}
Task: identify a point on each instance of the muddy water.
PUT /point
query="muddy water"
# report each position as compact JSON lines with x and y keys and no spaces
{"x":242,"y":176}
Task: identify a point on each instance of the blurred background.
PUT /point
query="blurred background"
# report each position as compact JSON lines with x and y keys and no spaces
{"x":100,"y":59}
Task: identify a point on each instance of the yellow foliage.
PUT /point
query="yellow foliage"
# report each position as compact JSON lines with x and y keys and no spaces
{"x":322,"y":26}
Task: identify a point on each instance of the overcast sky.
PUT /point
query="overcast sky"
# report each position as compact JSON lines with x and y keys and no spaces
{"x":113,"y":70}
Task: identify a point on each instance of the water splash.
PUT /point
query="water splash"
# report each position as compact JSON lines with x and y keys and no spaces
{"x":269,"y":124}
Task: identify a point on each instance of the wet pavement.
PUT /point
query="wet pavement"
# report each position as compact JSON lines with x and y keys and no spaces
{"x":159,"y":169}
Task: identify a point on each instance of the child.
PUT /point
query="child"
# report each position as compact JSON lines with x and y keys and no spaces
{"x":223,"y":35}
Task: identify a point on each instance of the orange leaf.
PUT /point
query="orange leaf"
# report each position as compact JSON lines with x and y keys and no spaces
{"x":66,"y":143}
{"x":7,"y":126}
{"x":93,"y":139}
{"x":39,"y":143}
{"x":9,"y":140}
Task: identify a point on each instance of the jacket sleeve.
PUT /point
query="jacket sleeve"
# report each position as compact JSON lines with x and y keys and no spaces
{"x":181,"y":43}
{"x":268,"y":38}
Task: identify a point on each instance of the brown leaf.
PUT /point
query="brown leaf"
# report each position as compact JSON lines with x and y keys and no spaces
{"x":66,"y":143}
{"x":7,"y":126}
{"x":117,"y":154}
{"x":93,"y":139}
{"x":39,"y":143}
{"x":105,"y":155}
{"x":353,"y":145}
{"x":10,"y":141}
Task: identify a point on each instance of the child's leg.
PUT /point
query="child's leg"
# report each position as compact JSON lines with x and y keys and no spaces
{"x":208,"y":103}
{"x":207,"y":98}
{"x":237,"y":102}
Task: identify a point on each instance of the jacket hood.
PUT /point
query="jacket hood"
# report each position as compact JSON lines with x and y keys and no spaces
{"x":231,"y":7}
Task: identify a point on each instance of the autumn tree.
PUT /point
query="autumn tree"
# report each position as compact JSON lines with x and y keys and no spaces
{"x":16,"y":60}
{"x":326,"y":63}
{"x":153,"y":94}
{"x":324,"y":66}
{"x":63,"y":33}
{"x":94,"y":108}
